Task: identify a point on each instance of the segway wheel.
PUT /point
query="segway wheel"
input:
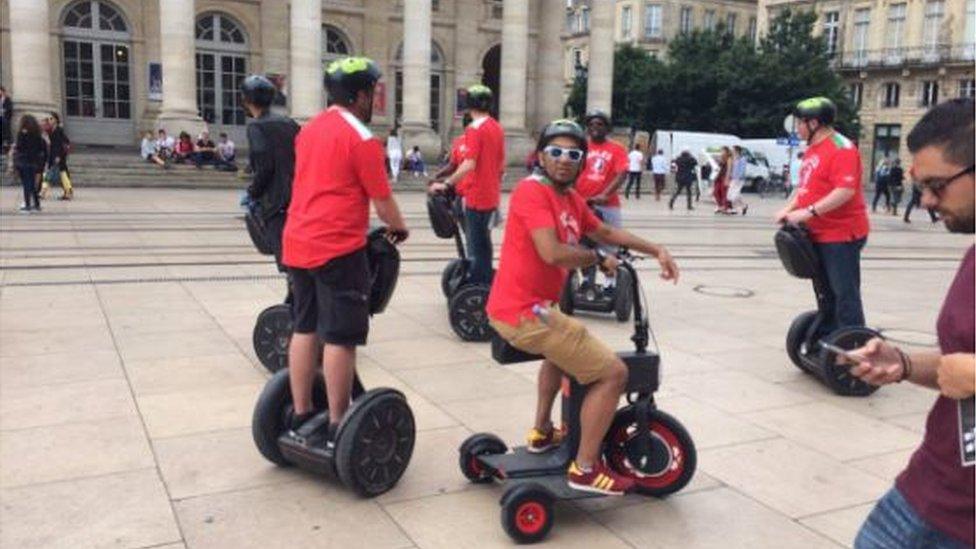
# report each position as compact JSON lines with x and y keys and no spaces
{"x":479,"y":444}
{"x":272,"y":334}
{"x":467,"y":313}
{"x":566,"y":298}
{"x":376,"y":442}
{"x":672,"y":459}
{"x":838,"y":376}
{"x":453,"y":276}
{"x":270,"y":419}
{"x":623,"y":303}
{"x":796,"y":337}
{"x":527,"y":513}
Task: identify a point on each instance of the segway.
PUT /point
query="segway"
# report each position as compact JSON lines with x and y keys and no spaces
{"x":643,"y":442}
{"x":579,"y":293}
{"x":803,"y":339}
{"x":375,"y":439}
{"x":465,"y":300}
{"x":272,"y":330}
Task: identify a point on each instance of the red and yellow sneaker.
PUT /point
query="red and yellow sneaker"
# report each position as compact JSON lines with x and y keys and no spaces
{"x":543,"y":441}
{"x":599,"y":480}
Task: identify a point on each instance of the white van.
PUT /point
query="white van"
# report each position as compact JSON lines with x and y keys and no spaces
{"x":707,"y":147}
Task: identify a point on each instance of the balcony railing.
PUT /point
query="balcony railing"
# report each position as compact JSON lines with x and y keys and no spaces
{"x":935,"y":54}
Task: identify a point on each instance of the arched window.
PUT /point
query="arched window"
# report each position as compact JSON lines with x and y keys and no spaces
{"x":221,"y":65}
{"x":334,"y":44}
{"x":436,"y":83}
{"x":96,"y":74}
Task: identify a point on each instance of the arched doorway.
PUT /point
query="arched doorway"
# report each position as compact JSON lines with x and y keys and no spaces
{"x":491,"y":74}
{"x":436,"y":85}
{"x":221,"y":65}
{"x":96,"y":73}
{"x":335,"y":45}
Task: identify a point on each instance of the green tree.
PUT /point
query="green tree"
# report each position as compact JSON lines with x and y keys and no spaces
{"x":714,"y":82}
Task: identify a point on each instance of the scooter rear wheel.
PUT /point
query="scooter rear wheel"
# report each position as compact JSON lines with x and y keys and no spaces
{"x":838,"y":376}
{"x":270,"y":419}
{"x":672,"y":460}
{"x":796,"y":338}
{"x":376,"y":442}
{"x":271,"y":337}
{"x":527,"y":513}
{"x":467,"y":313}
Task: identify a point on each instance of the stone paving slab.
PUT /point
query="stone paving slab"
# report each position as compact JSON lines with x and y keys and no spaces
{"x":127,"y":383}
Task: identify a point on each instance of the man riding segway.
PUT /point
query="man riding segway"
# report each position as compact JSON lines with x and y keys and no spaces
{"x":547,"y":219}
{"x":339,"y":172}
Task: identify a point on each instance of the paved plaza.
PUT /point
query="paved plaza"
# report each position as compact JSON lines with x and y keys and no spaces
{"x":128,"y":379}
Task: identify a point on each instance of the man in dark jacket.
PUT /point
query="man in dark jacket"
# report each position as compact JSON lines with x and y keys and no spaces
{"x":684,"y":176}
{"x":271,"y":139}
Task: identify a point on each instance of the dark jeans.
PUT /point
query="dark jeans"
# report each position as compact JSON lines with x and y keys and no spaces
{"x":477,"y":229}
{"x":633,"y":178}
{"x":677,"y":192}
{"x":915,"y":202}
{"x":893,"y":523}
{"x":28,"y":176}
{"x":881,"y":189}
{"x":842,"y":263}
{"x":225,"y":164}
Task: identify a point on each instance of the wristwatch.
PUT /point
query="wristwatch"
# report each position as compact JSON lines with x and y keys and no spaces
{"x":601,"y":256}
{"x":813,"y":210}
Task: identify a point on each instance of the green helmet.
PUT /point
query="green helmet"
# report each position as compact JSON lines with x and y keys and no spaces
{"x":563,"y":127}
{"x":347,"y":76}
{"x":819,"y":108}
{"x":479,"y":97}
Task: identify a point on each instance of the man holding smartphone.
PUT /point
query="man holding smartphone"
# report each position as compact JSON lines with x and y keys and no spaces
{"x":931,"y":504}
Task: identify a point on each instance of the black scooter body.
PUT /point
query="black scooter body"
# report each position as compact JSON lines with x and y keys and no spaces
{"x":800,"y":259}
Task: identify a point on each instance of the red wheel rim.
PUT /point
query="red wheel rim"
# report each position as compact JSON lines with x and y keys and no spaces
{"x":475,"y":466}
{"x":618,"y":456}
{"x":530,"y":517}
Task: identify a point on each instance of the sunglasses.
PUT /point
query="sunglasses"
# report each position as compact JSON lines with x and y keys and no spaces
{"x":574,"y":155}
{"x":937,"y":184}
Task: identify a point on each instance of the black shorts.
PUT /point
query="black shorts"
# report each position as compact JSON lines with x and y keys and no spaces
{"x":332,"y":301}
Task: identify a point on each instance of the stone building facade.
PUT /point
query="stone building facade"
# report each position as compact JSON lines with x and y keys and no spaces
{"x":651,"y":24}
{"x":117,"y":68}
{"x":898,"y":57}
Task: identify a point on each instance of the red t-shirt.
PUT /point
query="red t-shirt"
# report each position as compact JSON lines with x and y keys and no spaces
{"x":339,"y":167}
{"x":833,"y":163}
{"x":458,"y":148}
{"x":523,"y":278}
{"x":937,"y":484}
{"x":604,"y":162}
{"x":485,"y":143}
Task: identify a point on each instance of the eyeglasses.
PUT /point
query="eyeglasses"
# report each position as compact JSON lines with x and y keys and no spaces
{"x":574,"y":155}
{"x":937,"y":184}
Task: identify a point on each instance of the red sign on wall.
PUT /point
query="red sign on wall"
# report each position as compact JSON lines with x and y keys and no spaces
{"x":379,"y":99}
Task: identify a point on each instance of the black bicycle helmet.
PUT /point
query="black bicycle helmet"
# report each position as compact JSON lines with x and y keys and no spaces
{"x":562,"y":128}
{"x":597,"y":113}
{"x":479,"y":98}
{"x":258,"y":91}
{"x":345,"y":77}
{"x":818,"y":108}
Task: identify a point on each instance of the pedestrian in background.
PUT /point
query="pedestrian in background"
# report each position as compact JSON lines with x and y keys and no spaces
{"x":881,"y":185}
{"x":29,"y":154}
{"x":684,"y":176}
{"x":737,"y":180}
{"x":659,"y":168}
{"x":6,"y":119}
{"x":635,"y":169}
{"x":394,"y":154}
{"x":914,"y":202}
{"x":896,"y":184}
{"x":721,"y":185}
{"x":57,"y":160}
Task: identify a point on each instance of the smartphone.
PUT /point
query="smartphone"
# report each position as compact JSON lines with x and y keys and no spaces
{"x":847,"y":355}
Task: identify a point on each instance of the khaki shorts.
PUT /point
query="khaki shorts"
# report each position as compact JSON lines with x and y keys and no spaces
{"x":564,"y":341}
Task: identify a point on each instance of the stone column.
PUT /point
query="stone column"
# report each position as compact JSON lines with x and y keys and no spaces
{"x":549,"y":62}
{"x":30,"y":48}
{"x":274,"y":43}
{"x":377,"y":43}
{"x":599,"y":88}
{"x":306,"y":59}
{"x":417,"y":31}
{"x":176,"y":27}
{"x":762,"y":20}
{"x":514,"y":73}
{"x":467,"y":64}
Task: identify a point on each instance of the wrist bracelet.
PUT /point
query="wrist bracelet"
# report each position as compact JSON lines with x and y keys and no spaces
{"x":906,"y":365}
